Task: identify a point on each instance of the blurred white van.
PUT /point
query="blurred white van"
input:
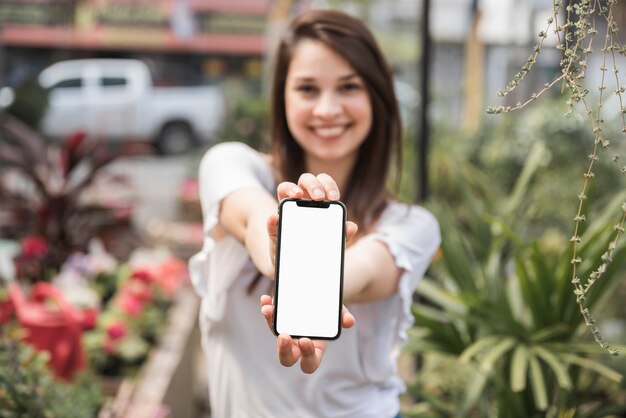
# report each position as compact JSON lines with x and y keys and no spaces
{"x":116,"y":99}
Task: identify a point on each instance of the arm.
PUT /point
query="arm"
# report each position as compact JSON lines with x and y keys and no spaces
{"x":244,"y":214}
{"x":370,"y":272}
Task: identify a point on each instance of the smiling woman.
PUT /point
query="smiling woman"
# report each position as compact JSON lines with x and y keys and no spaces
{"x":335,"y":133}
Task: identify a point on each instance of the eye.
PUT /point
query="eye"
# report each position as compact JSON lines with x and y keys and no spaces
{"x":307,"y":89}
{"x":348,"y":87}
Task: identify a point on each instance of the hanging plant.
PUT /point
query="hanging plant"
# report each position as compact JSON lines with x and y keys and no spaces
{"x":580,"y":26}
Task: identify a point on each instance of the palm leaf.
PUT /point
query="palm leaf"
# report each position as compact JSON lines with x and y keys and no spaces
{"x":519,"y":367}
{"x":538,"y":384}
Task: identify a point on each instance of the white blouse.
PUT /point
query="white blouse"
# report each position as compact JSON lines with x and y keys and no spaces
{"x":357,"y":377}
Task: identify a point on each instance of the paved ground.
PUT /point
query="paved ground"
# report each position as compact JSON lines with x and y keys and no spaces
{"x":156,"y":181}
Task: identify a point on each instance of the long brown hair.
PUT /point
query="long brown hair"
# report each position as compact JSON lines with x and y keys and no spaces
{"x":366,"y":194}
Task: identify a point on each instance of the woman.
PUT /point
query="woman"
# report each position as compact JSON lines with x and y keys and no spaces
{"x":335,"y":134}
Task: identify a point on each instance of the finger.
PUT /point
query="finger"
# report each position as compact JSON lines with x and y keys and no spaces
{"x":272,"y":226}
{"x":288,"y":189}
{"x":267,"y":310}
{"x":312,"y":354}
{"x":330,"y":187}
{"x":347,"y":319}
{"x":311,"y":186}
{"x":351,"y":230}
{"x":288,"y":351}
{"x":272,"y":232}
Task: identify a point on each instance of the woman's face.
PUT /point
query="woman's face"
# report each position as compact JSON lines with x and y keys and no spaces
{"x":328,"y":108}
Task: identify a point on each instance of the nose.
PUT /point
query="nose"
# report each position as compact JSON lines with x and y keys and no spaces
{"x":328,"y":106}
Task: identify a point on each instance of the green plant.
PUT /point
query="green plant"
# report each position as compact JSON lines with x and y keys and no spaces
{"x":500,"y":306}
{"x":31,"y":101}
{"x":576,"y":24}
{"x":28,"y":390}
{"x":247,"y":122}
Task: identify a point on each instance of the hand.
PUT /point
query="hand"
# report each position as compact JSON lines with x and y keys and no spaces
{"x":309,"y":352}
{"x":320,"y":187}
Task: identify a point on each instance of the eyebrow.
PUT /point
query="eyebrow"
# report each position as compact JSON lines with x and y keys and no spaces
{"x":343,"y":78}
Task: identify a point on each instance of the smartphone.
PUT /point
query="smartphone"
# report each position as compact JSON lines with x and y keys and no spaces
{"x":309,"y":268}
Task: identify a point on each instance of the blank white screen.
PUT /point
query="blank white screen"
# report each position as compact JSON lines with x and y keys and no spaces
{"x":309,"y":271}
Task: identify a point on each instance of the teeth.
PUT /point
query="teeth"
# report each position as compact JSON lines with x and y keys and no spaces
{"x":328,"y":132}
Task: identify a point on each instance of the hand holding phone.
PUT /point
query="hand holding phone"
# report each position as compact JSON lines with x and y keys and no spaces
{"x":309,"y":269}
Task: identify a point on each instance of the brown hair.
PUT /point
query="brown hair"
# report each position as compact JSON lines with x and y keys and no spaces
{"x":366,"y":194}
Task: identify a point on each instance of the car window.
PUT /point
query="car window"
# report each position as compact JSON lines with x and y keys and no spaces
{"x":113,"y":81}
{"x":68,"y":83}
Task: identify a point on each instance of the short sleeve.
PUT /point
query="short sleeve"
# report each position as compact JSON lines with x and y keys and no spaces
{"x":412,"y":235}
{"x":224,"y":169}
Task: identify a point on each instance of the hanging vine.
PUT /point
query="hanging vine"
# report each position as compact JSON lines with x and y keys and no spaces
{"x":575,"y":39}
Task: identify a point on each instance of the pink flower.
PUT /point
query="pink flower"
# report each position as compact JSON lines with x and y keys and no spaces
{"x":172,"y":273}
{"x":130,"y":304}
{"x":34,"y":246}
{"x":116,"y":331}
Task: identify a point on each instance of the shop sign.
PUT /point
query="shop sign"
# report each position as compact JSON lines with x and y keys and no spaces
{"x":231,"y":23}
{"x":41,"y":13}
{"x":123,"y":13}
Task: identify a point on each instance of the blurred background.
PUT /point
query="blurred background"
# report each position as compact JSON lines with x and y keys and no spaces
{"x":108,"y":105}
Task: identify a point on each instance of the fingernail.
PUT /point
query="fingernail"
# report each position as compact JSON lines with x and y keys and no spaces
{"x":295,"y":190}
{"x":317,"y":192}
{"x":333,"y":194}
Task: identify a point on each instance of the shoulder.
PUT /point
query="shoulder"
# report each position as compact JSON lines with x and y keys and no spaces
{"x":229,"y":166}
{"x":232,"y":150}
{"x":407,"y":215}
{"x":229,"y":157}
{"x":409,"y":225}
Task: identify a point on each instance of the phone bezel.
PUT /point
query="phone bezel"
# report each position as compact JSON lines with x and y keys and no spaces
{"x":323,"y":204}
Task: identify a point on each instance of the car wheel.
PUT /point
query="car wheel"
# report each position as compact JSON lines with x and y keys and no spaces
{"x":176,"y":138}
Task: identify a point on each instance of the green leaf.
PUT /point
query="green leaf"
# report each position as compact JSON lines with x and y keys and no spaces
{"x":593,"y":365}
{"x":495,"y":353}
{"x":559,"y":369}
{"x":559,"y":331}
{"x":474,"y":390}
{"x":133,"y":348}
{"x":520,"y":188}
{"x":538,"y":384}
{"x":476,"y":347}
{"x":519,"y":368}
{"x":445,"y":299}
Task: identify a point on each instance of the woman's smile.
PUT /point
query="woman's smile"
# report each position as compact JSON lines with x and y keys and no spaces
{"x":330,"y":132}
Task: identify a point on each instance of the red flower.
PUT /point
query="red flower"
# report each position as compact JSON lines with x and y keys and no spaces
{"x":116,"y":331}
{"x":6,"y":310}
{"x":89,"y":318}
{"x":143,"y":275}
{"x":34,"y":246}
